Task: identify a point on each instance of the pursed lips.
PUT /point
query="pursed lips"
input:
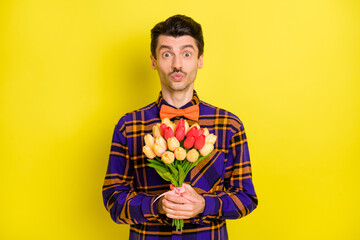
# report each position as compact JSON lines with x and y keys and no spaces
{"x":177,"y":76}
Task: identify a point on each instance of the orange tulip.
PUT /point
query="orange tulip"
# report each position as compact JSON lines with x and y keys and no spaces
{"x":198,"y":133}
{"x":199,"y":142}
{"x":181,"y":123}
{"x":189,"y":142}
{"x":191,"y":132}
{"x":163,"y":127}
{"x":180,"y":133}
{"x":168,"y":133}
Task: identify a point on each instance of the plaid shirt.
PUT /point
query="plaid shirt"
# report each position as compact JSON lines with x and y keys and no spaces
{"x":224,"y":179}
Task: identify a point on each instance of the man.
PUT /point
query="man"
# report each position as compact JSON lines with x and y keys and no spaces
{"x":221,"y":184}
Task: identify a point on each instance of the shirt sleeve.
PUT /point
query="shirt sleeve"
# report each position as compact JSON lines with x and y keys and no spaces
{"x":124,"y":204}
{"x":239,"y":198}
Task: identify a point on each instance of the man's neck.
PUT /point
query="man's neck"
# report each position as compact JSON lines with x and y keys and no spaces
{"x":178,"y":98}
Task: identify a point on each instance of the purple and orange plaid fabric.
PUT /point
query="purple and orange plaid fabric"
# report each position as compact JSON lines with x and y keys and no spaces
{"x":224,"y":179}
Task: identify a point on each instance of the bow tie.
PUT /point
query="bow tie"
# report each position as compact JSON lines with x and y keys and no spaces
{"x":191,"y":112}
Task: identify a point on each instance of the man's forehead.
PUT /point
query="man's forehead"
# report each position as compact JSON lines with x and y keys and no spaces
{"x":176,"y":42}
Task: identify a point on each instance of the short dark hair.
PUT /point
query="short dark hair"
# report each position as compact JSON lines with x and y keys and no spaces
{"x":176,"y":26}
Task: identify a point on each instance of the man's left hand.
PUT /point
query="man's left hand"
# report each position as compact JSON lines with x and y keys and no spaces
{"x":178,"y":207}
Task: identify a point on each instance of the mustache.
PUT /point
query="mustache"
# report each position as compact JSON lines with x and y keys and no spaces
{"x":177,"y":70}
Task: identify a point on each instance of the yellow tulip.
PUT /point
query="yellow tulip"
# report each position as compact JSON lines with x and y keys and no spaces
{"x":158,"y":150}
{"x":180,"y":153}
{"x":161,"y":141}
{"x":149,"y":153}
{"x":166,"y":121}
{"x":206,"y":132}
{"x":156,"y":130}
{"x":168,"y":157}
{"x":192,"y":155}
{"x":211,"y":138}
{"x":173,"y":143}
{"x":186,"y":126}
{"x":206,"y":149}
{"x":149,"y":140}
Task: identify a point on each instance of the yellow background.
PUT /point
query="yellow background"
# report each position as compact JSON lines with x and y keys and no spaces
{"x":289,"y":69}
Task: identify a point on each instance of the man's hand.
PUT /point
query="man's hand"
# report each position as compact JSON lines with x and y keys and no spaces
{"x":178,"y":207}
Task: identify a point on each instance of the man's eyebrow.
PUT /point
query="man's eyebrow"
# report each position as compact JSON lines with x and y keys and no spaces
{"x":188,"y":46}
{"x":183,"y":47}
{"x":165,"y":46}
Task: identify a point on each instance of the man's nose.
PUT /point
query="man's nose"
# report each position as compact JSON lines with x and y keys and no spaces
{"x":176,"y":62}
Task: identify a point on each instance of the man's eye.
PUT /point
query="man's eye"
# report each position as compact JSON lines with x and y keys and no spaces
{"x":166,"y":54}
{"x":187,"y":54}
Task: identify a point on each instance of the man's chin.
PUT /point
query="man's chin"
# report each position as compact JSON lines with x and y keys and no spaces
{"x":178,"y":86}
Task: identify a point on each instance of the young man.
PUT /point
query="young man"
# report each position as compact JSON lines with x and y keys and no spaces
{"x":221,"y":184}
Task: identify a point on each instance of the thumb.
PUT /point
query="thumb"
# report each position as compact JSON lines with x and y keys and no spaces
{"x":189,"y":189}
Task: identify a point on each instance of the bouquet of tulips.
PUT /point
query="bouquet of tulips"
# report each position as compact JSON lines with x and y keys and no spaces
{"x":174,"y":149}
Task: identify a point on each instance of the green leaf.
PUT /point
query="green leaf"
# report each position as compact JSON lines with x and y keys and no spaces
{"x":181,"y":175}
{"x":172,"y":169}
{"x":172,"y":179}
{"x":158,"y":168}
{"x":162,"y":164}
{"x":163,"y":176}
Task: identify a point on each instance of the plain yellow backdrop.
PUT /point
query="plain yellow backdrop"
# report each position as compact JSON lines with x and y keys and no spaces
{"x":289,"y":69}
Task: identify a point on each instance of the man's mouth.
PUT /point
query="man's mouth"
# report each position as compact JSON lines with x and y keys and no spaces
{"x":177,"y":76}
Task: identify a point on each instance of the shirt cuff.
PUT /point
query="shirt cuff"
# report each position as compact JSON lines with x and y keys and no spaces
{"x":212,"y":210}
{"x":150,"y":212}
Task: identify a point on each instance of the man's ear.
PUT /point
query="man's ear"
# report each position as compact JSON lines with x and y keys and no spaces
{"x":153,"y":62}
{"x":200,"y":63}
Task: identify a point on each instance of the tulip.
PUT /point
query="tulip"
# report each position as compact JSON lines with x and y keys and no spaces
{"x":211,"y":138}
{"x":162,"y":129}
{"x":161,"y":141}
{"x":173,"y":143}
{"x":195,"y":125}
{"x":189,"y":142}
{"x":192,"y":155}
{"x":186,"y":126}
{"x":181,"y":123}
{"x":180,"y":133}
{"x":159,"y":150}
{"x":168,"y":133}
{"x":156,"y":130}
{"x":168,"y":157}
{"x":173,"y":126}
{"x":149,"y":153}
{"x":180,"y":153}
{"x":191,"y":132}
{"x":199,"y":142}
{"x":198,"y":133}
{"x":206,"y":132}
{"x":206,"y":149}
{"x":149,"y":140}
{"x":166,"y":121}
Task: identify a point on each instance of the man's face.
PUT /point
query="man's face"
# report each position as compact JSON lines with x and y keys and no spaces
{"x":177,"y":62}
